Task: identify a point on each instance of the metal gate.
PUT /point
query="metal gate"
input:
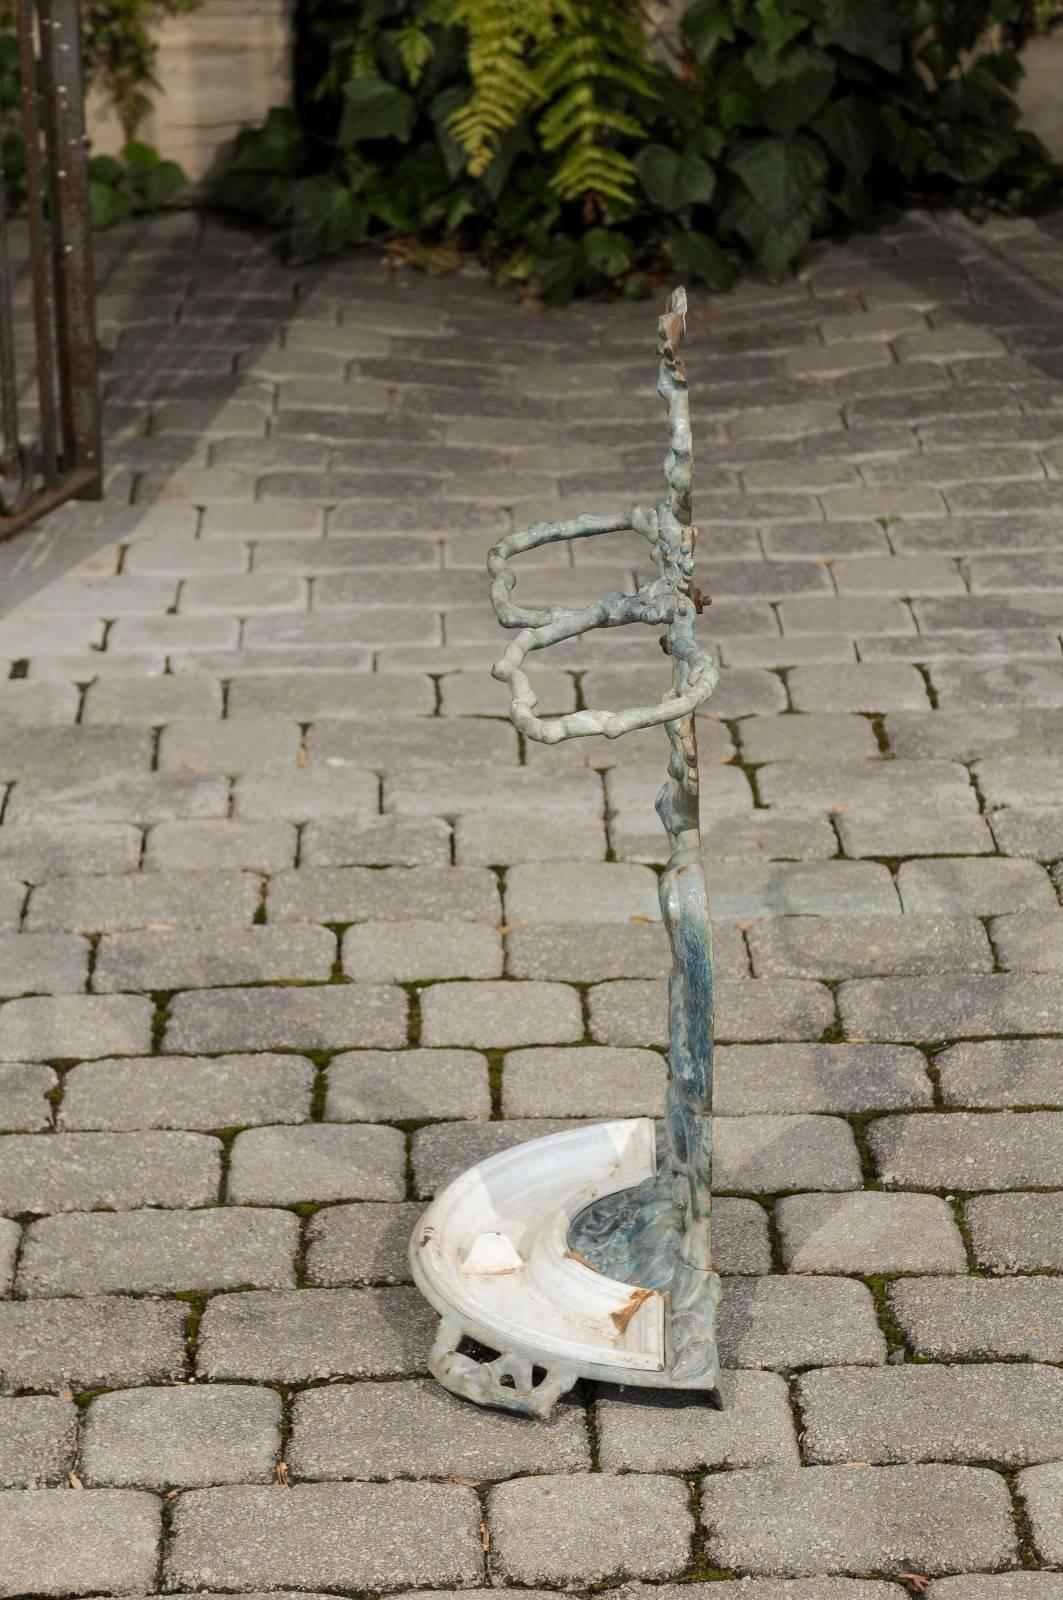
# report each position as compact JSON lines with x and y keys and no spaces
{"x":49,"y":396}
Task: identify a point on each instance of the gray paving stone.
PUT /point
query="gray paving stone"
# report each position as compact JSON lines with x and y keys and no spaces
{"x":42,"y":964}
{"x":182,"y":1437}
{"x":1041,"y":1489}
{"x":587,"y":1528}
{"x":899,"y":575}
{"x":155,"y":900}
{"x":149,"y":1252}
{"x":254,"y":744}
{"x":152,"y":701}
{"x":1019,"y":779}
{"x":38,"y":1439}
{"x":491,"y":837}
{"x":970,"y":1150}
{"x":440,"y":1153}
{"x":1029,"y":831}
{"x":849,"y":614}
{"x":583,"y":1082}
{"x":10,"y":1238}
{"x":391,"y":1430}
{"x":43,"y":1028}
{"x":580,"y":892}
{"x":759,"y":836}
{"x":871,"y":686}
{"x":951,"y":1007}
{"x":643,"y":1431}
{"x":359,"y":894}
{"x":309,"y":696}
{"x":69,"y":754}
{"x":385,"y":1086}
{"x":316,"y":1017}
{"x":1010,"y":733}
{"x":801,"y":1589}
{"x":36,"y":852}
{"x":329,"y":1535}
{"x":319,"y":1333}
{"x":765,"y":1154}
{"x":36,"y":704}
{"x":634,"y":1011}
{"x":1029,"y":941}
{"x":426,"y":746}
{"x":400,"y":952}
{"x":1003,"y":1586}
{"x":869,"y":1232}
{"x":118,"y":1171}
{"x":740,"y":1242}
{"x":956,"y":1319}
{"x":454,"y":792}
{"x":192,"y":959}
{"x":186,"y":1092}
{"x":306,"y":793}
{"x":377,"y":841}
{"x":590,"y":954}
{"x":739,"y":890}
{"x":779,"y":1322}
{"x":1016,"y":1232}
{"x":283,"y":1165}
{"x":12,"y":899}
{"x":787,"y":738}
{"x":23,"y":1086}
{"x":1007,"y":1414}
{"x":142,"y":797}
{"x":105,"y":1540}
{"x":950,"y":830}
{"x":497,"y":1015}
{"x":984,"y":888}
{"x":927,"y":1519}
{"x":102,"y":1342}
{"x":228,"y":844}
{"x":361,"y":1244}
{"x":865,"y":785}
{"x":132,"y":634}
{"x":860,"y":947}
{"x":998,"y":683}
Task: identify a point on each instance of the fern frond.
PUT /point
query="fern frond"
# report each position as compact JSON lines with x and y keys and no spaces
{"x":363,"y":54}
{"x":415,"y":51}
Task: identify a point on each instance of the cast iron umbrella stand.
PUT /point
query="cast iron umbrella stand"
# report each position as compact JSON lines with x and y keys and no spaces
{"x":587,"y":1253}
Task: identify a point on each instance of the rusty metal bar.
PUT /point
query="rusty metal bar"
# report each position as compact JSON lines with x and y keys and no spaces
{"x":64,"y":461}
{"x":75,"y":305}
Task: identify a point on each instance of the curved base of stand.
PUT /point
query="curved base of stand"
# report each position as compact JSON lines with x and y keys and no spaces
{"x":493,"y":1255}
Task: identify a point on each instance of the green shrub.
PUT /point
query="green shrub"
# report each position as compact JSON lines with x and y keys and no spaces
{"x":542,"y":134}
{"x":118,"y":56}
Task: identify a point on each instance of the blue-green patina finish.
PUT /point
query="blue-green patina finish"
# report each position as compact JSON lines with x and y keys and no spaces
{"x":657,"y":1235}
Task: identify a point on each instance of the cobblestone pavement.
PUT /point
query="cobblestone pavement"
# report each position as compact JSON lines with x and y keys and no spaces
{"x":274,"y":966}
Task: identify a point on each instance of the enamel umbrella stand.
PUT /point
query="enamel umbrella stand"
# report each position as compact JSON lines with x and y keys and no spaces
{"x":587,"y":1254}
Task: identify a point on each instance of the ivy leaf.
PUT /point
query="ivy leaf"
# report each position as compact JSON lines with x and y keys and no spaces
{"x":278,"y":146}
{"x":782,"y":197}
{"x":849,"y":129}
{"x":260,"y":194}
{"x":157,"y":186}
{"x":862,"y":28}
{"x":607,"y":252}
{"x":325,"y":217}
{"x":706,"y":24}
{"x":804,"y":79}
{"x":108,"y":204}
{"x":375,"y":109}
{"x":443,"y":107}
{"x":774,"y":29}
{"x":674,"y":179}
{"x":106,"y":169}
{"x":695,"y":255}
{"x":138,"y":154}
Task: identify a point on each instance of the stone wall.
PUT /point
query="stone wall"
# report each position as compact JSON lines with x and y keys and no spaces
{"x":221,"y":68}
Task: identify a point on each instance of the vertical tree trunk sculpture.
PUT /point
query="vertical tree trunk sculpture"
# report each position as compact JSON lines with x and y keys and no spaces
{"x":658,"y":1234}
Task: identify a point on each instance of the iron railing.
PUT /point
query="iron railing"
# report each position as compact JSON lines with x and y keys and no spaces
{"x":49,"y":395}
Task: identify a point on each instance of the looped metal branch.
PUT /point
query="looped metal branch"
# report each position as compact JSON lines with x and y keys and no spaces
{"x":670,"y":598}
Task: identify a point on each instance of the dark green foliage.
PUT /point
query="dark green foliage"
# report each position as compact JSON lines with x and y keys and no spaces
{"x":140,"y":182}
{"x":789,"y":118}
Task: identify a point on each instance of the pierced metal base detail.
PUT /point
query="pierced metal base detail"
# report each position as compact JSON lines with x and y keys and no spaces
{"x":507,"y":1256}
